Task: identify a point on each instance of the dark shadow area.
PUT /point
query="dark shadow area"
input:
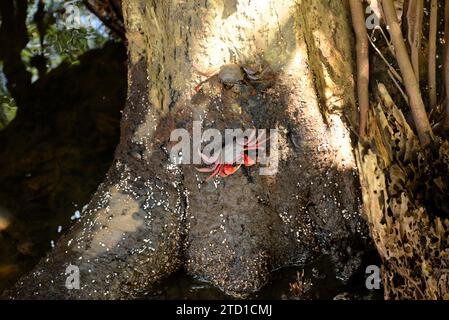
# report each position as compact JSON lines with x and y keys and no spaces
{"x":56,"y":152}
{"x":316,"y":281}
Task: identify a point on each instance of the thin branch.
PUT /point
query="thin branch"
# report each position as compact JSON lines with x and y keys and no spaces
{"x":432,"y":81}
{"x":411,"y":21}
{"x":418,"y":36}
{"x":441,"y":127}
{"x":446,"y":37}
{"x":444,"y":125}
{"x":388,"y":65}
{"x":411,"y":84}
{"x":106,"y":11}
{"x":414,"y":20}
{"x":388,"y":42}
{"x":362,"y":49}
{"x":398,"y":86}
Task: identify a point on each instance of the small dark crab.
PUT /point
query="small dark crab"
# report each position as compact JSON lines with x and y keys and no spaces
{"x":233,"y":74}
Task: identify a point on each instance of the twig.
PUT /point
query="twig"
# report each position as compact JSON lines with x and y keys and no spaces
{"x":390,"y":46}
{"x":110,"y":18}
{"x":441,"y":127}
{"x":414,"y":19}
{"x":411,"y":84}
{"x":445,"y":122}
{"x":398,"y":86}
{"x":362,"y":49}
{"x":446,"y":37}
{"x":432,"y":82}
{"x":418,"y":36}
{"x":389,"y":66}
{"x":411,"y":21}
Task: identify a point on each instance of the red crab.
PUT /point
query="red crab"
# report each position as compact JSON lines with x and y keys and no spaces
{"x":218,"y":165}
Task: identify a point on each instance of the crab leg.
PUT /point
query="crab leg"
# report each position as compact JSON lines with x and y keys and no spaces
{"x":199,"y":85}
{"x":254,"y":142}
{"x":208,"y":74}
{"x":249,"y":139}
{"x":219,"y":167}
{"x":256,"y":145}
{"x":248,"y":161}
{"x":205,"y":170}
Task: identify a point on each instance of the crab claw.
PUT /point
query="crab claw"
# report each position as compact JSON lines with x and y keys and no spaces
{"x":248,"y":161}
{"x":229,"y":169}
{"x":205,"y":170}
{"x":258,"y":144}
{"x":216,"y":170}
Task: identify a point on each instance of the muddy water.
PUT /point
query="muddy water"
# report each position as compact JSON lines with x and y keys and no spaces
{"x":319,"y":282}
